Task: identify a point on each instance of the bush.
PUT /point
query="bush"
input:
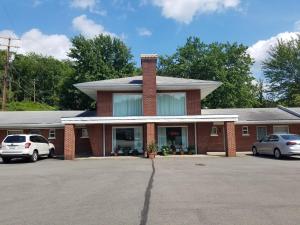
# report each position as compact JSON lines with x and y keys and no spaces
{"x":28,"y":106}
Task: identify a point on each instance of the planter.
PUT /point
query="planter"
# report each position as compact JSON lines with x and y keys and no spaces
{"x":174,"y":153}
{"x":181,"y":152}
{"x":115,"y":154}
{"x":151,"y":155}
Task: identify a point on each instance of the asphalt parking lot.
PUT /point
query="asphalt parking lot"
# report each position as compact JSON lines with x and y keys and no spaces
{"x":184,"y":191}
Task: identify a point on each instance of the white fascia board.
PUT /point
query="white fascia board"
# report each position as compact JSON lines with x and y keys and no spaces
{"x":150,"y":119}
{"x":33,"y":125}
{"x":268,"y":122}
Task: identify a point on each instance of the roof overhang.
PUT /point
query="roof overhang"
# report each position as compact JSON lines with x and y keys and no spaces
{"x":31,"y":125}
{"x":266,"y":122}
{"x":91,"y":90}
{"x":150,"y":119}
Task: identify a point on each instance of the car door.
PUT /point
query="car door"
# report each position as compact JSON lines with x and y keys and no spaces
{"x":263,"y":145}
{"x":44,"y":145}
{"x":272,"y":143}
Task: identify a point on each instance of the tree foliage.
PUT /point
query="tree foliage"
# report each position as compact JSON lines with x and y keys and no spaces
{"x":100,"y":58}
{"x":45,"y":73}
{"x":225,"y":62}
{"x":282,"y":71}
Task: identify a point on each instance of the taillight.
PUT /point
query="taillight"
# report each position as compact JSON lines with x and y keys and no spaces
{"x":291,"y":143}
{"x":27,"y":145}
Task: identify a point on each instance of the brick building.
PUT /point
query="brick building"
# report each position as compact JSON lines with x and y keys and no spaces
{"x":133,"y":112}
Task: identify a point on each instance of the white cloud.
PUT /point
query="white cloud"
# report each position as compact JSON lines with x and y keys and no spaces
{"x":144,"y":31}
{"x":90,"y":5}
{"x":259,"y":51}
{"x":88,"y":27}
{"x":185,"y":10}
{"x":55,"y":45}
{"x":297,"y":26}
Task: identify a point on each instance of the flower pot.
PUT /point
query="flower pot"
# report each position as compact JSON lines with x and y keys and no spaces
{"x":115,"y":154}
{"x":151,"y":155}
{"x":174,"y":153}
{"x":181,"y":152}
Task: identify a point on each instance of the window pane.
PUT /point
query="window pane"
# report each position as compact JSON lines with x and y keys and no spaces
{"x":15,"y":139}
{"x":171,"y":104}
{"x":261,"y":132}
{"x":127,"y":105}
{"x":281,"y":129}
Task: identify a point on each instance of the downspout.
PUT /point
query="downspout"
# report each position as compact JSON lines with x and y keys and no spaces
{"x":195,"y":136}
{"x":103,"y":136}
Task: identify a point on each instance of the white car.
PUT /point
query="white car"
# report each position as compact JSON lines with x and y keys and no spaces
{"x":278,"y":145}
{"x":30,"y":146}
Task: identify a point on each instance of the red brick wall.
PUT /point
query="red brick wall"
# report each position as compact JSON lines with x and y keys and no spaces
{"x":108,"y":140}
{"x":82,"y":145}
{"x":104,"y":103}
{"x":69,"y":151}
{"x":230,"y":139}
{"x":96,"y":138}
{"x":206,"y":142}
{"x":149,"y":86}
{"x":193,"y":102}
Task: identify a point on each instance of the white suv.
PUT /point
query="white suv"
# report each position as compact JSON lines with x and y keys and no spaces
{"x":25,"y":146}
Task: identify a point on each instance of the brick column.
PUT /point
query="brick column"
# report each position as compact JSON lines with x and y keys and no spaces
{"x":150,"y":133}
{"x":193,"y":98}
{"x":230,"y":141}
{"x":96,"y":138}
{"x":69,"y":149}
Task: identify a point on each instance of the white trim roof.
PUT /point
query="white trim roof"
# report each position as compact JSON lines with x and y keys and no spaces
{"x":135,"y":84}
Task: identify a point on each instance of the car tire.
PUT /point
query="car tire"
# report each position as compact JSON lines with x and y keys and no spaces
{"x":254,"y":151}
{"x":35,"y":156}
{"x":51,"y":153}
{"x":6,"y":160}
{"x":277,"y":153}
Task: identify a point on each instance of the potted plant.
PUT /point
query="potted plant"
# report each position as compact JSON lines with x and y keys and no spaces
{"x":151,"y":150}
{"x":191,"y":149}
{"x":165,"y":150}
{"x":117,"y":149}
{"x":173,"y":149}
{"x":181,"y":150}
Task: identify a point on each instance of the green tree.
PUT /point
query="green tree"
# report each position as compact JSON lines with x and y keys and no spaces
{"x":100,"y":58}
{"x":225,"y":62}
{"x":282,"y":71}
{"x":39,"y":78}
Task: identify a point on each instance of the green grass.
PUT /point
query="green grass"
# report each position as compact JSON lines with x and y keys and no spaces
{"x":28,"y":106}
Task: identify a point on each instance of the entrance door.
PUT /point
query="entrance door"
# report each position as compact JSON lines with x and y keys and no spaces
{"x":128,"y":140}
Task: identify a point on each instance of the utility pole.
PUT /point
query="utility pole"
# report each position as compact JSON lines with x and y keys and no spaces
{"x":6,"y":69}
{"x":34,"y":90}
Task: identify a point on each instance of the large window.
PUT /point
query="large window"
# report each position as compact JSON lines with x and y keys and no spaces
{"x":171,"y":104}
{"x":127,"y":105}
{"x":173,"y":136}
{"x":127,"y":140}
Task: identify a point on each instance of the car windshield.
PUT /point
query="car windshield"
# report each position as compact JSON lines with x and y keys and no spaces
{"x":291,"y":137}
{"x":15,"y":139}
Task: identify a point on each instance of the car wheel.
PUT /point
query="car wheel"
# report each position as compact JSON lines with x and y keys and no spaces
{"x":34,"y":157}
{"x":254,"y":151}
{"x":51,"y":153}
{"x":277,"y":153}
{"x":6,"y":160}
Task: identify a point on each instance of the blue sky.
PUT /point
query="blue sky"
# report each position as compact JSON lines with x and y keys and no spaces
{"x":149,"y":26}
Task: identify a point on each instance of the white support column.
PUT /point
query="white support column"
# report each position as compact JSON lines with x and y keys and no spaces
{"x":103,"y":136}
{"x":195,"y":135}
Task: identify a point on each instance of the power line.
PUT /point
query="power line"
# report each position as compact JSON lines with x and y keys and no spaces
{"x":6,"y":68}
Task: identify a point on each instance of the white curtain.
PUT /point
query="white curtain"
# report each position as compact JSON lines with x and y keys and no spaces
{"x":171,"y":104}
{"x":127,"y":105}
{"x":138,"y":139}
{"x":184,"y":137}
{"x":162,"y":137}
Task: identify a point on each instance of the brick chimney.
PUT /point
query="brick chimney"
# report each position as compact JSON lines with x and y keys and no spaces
{"x":148,"y":62}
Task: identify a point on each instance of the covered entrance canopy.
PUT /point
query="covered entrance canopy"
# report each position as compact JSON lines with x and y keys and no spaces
{"x":134,"y":133}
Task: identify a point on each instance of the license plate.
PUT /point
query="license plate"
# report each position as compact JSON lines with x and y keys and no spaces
{"x":11,"y":147}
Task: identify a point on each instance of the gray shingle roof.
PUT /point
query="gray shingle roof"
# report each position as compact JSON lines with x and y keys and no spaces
{"x":254,"y":114}
{"x":35,"y":118}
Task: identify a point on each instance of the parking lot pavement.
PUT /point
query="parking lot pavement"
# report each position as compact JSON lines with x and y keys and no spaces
{"x":208,"y":190}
